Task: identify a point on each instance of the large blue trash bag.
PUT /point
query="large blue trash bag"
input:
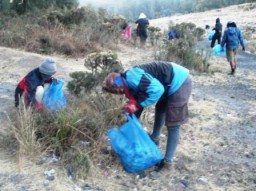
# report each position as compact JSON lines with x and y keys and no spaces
{"x":133,"y":146}
{"x":217,"y":49}
{"x":54,"y":97}
{"x":211,"y":35}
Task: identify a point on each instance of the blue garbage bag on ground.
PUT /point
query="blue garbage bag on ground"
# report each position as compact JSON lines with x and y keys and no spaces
{"x":133,"y":145}
{"x":211,"y":35}
{"x":54,"y":97}
{"x":217,"y":49}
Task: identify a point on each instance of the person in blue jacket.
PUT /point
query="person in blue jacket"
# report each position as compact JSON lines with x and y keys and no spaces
{"x":31,"y":86}
{"x":166,"y":84}
{"x":232,"y":37}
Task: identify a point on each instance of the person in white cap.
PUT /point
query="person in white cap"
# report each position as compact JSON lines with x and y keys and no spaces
{"x":32,"y":85}
{"x":142,"y":28}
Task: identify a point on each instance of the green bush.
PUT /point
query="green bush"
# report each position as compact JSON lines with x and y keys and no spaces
{"x":183,"y":48}
{"x":100,"y":64}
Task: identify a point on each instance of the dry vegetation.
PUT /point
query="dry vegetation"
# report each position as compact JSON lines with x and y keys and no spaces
{"x":77,"y":135}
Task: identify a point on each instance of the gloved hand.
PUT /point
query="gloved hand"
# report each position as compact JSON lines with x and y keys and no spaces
{"x":222,"y":49}
{"x":39,"y":106}
{"x":131,"y":107}
{"x":243,"y":49}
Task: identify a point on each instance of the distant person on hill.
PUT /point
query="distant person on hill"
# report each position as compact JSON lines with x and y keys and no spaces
{"x":166,"y":84}
{"x":218,"y":32}
{"x":232,"y":37}
{"x":142,"y":31}
{"x":31,"y":86}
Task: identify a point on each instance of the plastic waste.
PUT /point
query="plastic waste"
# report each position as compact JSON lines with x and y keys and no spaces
{"x":54,"y":97}
{"x":133,"y":145}
{"x":211,"y":35}
{"x":217,"y":49}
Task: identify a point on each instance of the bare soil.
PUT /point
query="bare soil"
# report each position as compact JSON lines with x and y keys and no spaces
{"x":217,"y":147}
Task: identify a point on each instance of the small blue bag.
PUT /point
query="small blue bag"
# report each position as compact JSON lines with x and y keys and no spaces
{"x":133,"y":146}
{"x":54,"y":97}
{"x":211,"y":35}
{"x":218,"y":50}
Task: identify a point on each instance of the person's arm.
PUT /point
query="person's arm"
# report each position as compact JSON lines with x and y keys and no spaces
{"x":224,"y":39}
{"x":18,"y":93}
{"x":148,"y":89}
{"x":241,"y":39}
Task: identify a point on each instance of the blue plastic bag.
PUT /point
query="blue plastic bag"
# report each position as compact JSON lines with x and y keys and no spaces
{"x":218,"y":50}
{"x":211,"y":35}
{"x":54,"y":97}
{"x":133,"y":146}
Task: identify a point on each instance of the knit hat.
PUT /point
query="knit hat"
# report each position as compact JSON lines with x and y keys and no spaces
{"x":142,"y":16}
{"x":48,"y":67}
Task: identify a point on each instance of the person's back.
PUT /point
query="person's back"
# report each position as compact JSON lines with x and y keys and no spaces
{"x":232,"y":37}
{"x":218,"y":26}
{"x":217,"y":34}
{"x":142,"y":28}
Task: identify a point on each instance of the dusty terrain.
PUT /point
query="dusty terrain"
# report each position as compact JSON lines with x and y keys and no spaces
{"x":217,"y":147}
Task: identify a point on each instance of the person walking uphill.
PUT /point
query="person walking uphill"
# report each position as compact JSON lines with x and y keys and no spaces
{"x":142,"y":28}
{"x":31,"y":86}
{"x":232,"y":37}
{"x":168,"y":85}
{"x":218,"y":32}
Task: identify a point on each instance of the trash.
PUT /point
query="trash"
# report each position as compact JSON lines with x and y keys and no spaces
{"x":203,"y":179}
{"x":218,"y":50}
{"x":133,"y":146}
{"x":49,"y":174}
{"x":54,"y":98}
{"x":211,"y":35}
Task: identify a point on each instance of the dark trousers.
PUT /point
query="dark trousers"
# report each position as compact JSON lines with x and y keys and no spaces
{"x":216,"y":36}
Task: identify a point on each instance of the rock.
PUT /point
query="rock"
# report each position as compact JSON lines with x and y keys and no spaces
{"x":185,"y":182}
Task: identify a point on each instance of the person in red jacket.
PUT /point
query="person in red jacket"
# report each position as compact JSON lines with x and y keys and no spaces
{"x":31,"y":86}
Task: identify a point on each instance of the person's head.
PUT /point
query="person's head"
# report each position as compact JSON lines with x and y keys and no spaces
{"x":231,"y":24}
{"x":113,"y":83}
{"x":142,"y":16}
{"x":48,"y":68}
{"x":217,"y":20}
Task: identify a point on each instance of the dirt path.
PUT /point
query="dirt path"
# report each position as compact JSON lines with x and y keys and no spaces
{"x":217,"y":147}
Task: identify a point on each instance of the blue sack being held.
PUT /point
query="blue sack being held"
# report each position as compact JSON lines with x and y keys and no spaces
{"x":218,"y":50}
{"x":134,"y":147}
{"x":211,"y":35}
{"x":54,"y":97}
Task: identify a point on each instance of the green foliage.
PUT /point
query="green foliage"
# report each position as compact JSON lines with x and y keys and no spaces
{"x":183,"y":48}
{"x":65,"y":31}
{"x":100,"y":64}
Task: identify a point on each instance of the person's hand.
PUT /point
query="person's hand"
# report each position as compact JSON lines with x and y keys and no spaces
{"x":243,"y":49}
{"x":39,"y":106}
{"x":131,"y":107}
{"x":222,"y":49}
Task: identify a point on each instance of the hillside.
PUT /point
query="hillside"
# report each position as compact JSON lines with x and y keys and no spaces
{"x":217,"y":147}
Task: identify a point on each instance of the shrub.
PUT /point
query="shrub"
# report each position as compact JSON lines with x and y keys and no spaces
{"x":100,"y":64}
{"x":183,"y":48}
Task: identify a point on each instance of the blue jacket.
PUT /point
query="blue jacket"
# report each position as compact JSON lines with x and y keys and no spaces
{"x":232,"y":36}
{"x":153,"y":81}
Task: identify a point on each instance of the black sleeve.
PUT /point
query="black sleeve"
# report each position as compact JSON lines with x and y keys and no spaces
{"x":18,"y":94}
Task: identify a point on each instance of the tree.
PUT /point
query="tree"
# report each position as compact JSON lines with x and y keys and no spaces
{"x":4,"y":5}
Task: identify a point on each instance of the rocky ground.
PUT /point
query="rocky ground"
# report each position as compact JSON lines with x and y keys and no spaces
{"x":216,"y":150}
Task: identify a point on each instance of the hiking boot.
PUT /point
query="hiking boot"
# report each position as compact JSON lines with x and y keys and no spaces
{"x":232,"y":72}
{"x":163,"y":165}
